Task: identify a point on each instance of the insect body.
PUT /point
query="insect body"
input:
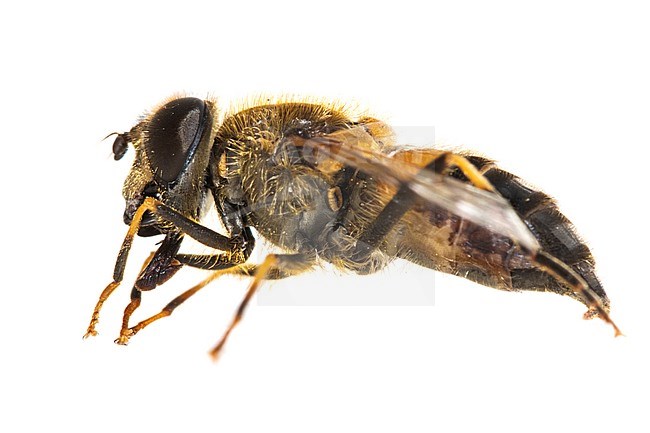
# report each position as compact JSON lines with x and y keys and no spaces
{"x":322,"y":185}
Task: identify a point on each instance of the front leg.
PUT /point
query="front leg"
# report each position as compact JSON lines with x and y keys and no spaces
{"x":167,"y":261}
{"x":181,"y":224}
{"x":157,"y":269}
{"x":276,"y":266}
{"x":221,"y":263}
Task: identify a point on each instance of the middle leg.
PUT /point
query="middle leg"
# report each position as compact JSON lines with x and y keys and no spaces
{"x":281,"y":266}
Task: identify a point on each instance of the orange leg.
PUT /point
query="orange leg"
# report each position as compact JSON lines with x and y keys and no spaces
{"x":126,"y":333}
{"x":183,"y":225}
{"x":258,"y":277}
{"x":443,"y":162}
{"x":136,"y":297}
{"x":274,"y":266}
{"x":563,"y":273}
{"x":118,"y":273}
{"x":477,"y":179}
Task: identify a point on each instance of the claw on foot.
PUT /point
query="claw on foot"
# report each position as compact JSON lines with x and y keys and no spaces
{"x":122,"y":340}
{"x":124,"y":337}
{"x":617,"y":332}
{"x":216,"y":351}
{"x":592,"y":313}
{"x":90,"y":333}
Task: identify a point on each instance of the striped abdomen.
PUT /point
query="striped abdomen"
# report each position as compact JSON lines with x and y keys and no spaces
{"x":440,"y":240}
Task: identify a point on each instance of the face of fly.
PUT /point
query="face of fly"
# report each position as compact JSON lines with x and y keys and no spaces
{"x":172,"y":151}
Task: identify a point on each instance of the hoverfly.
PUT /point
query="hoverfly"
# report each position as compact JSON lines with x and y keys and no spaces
{"x":324,"y":186}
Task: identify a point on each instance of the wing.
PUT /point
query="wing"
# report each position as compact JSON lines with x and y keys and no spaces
{"x":355,"y":147}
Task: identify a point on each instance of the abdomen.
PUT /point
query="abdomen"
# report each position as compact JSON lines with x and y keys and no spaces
{"x":439,"y":240}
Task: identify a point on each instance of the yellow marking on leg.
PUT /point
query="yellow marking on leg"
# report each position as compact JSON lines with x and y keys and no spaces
{"x":422,"y":158}
{"x":469,"y":170}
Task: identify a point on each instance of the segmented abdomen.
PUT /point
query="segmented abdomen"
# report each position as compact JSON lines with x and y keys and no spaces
{"x":446,"y":243}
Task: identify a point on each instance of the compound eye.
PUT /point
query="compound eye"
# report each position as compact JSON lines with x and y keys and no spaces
{"x":119,"y":147}
{"x":172,"y":136}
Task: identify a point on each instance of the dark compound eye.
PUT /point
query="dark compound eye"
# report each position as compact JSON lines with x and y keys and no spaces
{"x":120,"y":146}
{"x":172,"y":136}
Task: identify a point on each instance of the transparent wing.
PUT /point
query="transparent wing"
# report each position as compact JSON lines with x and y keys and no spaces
{"x":356,"y":148}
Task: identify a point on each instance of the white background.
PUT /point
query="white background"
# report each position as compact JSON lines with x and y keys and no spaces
{"x":557,"y":92}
